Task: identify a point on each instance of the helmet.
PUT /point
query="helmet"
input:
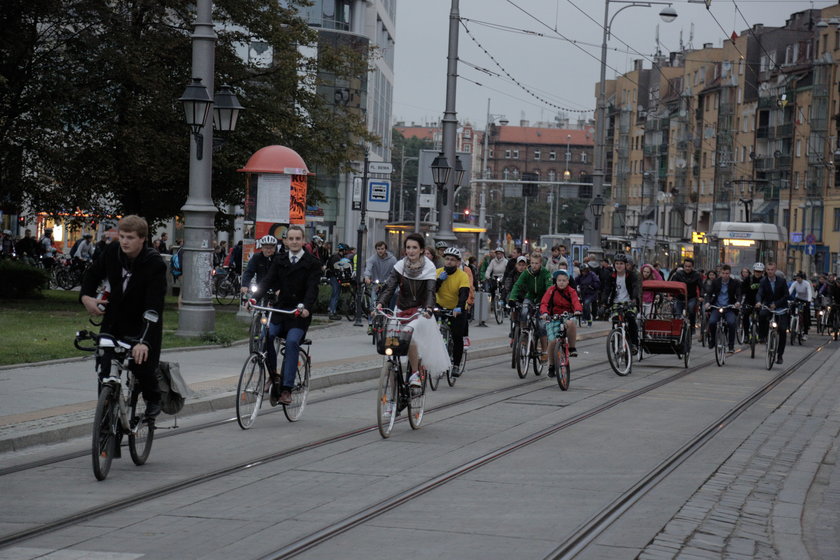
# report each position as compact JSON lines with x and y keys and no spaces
{"x":317,"y":239}
{"x":441,"y":245}
{"x":267,"y":240}
{"x":499,"y":250}
{"x":593,"y":265}
{"x":621,"y":257}
{"x":452,"y":251}
{"x":343,"y":247}
{"x":558,"y":272}
{"x":758,"y":267}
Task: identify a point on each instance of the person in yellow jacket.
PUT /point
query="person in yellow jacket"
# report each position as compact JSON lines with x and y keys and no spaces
{"x":452,"y":291}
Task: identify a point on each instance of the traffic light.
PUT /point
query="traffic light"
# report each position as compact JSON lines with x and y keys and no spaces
{"x":467,"y":212}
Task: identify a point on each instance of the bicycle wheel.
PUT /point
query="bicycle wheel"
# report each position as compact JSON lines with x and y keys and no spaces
{"x":498,"y":309}
{"x":250,"y":391}
{"x":301,"y":389}
{"x":255,"y":334}
{"x":104,"y":443}
{"x":387,"y":398}
{"x":686,"y":346}
{"x":64,"y":279}
{"x":618,"y":352}
{"x":417,"y":402}
{"x":561,"y":364}
{"x":225,"y":292}
{"x":514,"y":356}
{"x":142,"y":432}
{"x":740,"y":334}
{"x":523,"y":347}
{"x":720,"y":343}
{"x":772,"y":344}
{"x":704,"y":329}
{"x":536,"y":355}
{"x":794,"y":330}
{"x":753,"y":338}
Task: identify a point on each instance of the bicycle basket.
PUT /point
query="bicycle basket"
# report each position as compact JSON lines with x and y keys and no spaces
{"x":555,"y":329}
{"x":396,"y":337}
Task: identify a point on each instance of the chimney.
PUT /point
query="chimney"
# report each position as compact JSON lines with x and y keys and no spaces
{"x":637,"y":64}
{"x":707,"y":45}
{"x":523,"y":123}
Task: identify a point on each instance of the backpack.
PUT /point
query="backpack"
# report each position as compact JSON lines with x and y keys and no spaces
{"x":173,"y":389}
{"x":175,"y":265}
{"x":75,"y":248}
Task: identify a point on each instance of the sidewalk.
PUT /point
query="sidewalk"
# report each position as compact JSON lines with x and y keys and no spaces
{"x":50,"y":403}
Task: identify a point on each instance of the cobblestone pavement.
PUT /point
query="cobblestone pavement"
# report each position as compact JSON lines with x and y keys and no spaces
{"x":752,"y":506}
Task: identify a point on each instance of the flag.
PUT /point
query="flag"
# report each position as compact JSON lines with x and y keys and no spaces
{"x":733,"y":36}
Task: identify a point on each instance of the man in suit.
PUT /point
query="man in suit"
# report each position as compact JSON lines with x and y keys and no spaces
{"x":773,"y":292}
{"x":725,"y":291}
{"x":294,"y":277}
{"x":135,"y":276}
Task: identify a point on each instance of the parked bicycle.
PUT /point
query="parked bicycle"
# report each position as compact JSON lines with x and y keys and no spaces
{"x":226,"y":284}
{"x":253,"y":382}
{"x":395,"y":394}
{"x":118,"y":407}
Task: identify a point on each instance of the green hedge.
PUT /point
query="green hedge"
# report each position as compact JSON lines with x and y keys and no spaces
{"x":19,"y":280}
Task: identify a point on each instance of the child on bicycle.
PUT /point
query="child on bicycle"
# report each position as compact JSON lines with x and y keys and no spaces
{"x":559,"y":299}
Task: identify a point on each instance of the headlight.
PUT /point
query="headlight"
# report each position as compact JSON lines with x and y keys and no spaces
{"x":253,"y":288}
{"x":264,"y":320}
{"x":388,"y":351}
{"x":773,"y":324}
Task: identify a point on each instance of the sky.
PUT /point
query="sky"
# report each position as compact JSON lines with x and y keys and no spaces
{"x":550,"y":47}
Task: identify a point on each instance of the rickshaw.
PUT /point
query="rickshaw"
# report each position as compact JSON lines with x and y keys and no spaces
{"x":662,"y":329}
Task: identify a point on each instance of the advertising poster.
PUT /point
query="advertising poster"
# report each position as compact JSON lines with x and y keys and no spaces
{"x":297,"y":202}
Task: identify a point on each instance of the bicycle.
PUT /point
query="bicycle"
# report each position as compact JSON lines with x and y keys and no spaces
{"x":752,"y":335}
{"x":513,"y":314}
{"x":253,"y":383}
{"x":832,"y":324}
{"x":444,"y":317}
{"x":116,"y":408}
{"x":226,"y":285}
{"x":773,"y":335}
{"x":704,"y":327}
{"x":394,"y":393}
{"x":797,"y":323}
{"x":619,"y":352}
{"x":497,"y":301}
{"x":557,"y":332}
{"x":525,"y":346}
{"x":721,"y":333}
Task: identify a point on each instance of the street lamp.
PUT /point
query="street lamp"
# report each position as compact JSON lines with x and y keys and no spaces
{"x":459,"y":172}
{"x":226,"y":109}
{"x":591,"y":236}
{"x":197,"y":105}
{"x":440,"y":174}
{"x":449,"y":122}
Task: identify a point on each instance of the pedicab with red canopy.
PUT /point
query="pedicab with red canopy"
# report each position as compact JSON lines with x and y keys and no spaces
{"x":662,"y":329}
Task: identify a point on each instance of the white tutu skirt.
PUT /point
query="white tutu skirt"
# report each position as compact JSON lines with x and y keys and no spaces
{"x":430,"y":345}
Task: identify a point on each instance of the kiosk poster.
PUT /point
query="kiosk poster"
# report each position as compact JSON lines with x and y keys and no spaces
{"x":297,"y":202}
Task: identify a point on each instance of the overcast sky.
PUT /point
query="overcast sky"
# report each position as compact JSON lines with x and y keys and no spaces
{"x":560,"y":65}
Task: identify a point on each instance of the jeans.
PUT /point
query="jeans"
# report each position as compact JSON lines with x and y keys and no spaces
{"x":731,"y":319}
{"x":679,"y":306}
{"x":336,"y":290}
{"x":805,"y":315}
{"x":293,"y":338}
{"x":589,"y":303}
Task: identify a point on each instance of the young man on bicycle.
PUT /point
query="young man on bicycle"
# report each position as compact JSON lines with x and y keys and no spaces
{"x":260,"y":263}
{"x":725,"y":291}
{"x":773,"y":292}
{"x":559,"y":299}
{"x":625,"y":287}
{"x":378,"y":268}
{"x":749,"y":292}
{"x":452,"y":289}
{"x":803,"y":294}
{"x":294,"y":277}
{"x":530,"y":288}
{"x":136,"y":276}
{"x":694,"y":284}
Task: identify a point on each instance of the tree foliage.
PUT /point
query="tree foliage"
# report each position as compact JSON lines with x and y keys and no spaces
{"x":89,"y":111}
{"x":409,"y":148}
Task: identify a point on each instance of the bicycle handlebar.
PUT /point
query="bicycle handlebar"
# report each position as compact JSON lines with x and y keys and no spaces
{"x":126,"y":344}
{"x":252,"y":303}
{"x":775,"y":311}
{"x":391,"y":314}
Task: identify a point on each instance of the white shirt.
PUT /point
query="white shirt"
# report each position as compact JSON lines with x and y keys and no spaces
{"x":298,"y":256}
{"x":801,"y":289}
{"x":621,"y":293}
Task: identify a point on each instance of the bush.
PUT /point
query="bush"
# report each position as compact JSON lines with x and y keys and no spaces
{"x":19,"y":280}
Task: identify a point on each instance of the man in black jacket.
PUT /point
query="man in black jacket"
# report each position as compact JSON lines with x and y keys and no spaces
{"x":260,"y":263}
{"x":725,"y":291}
{"x":294,"y":277}
{"x":694,"y":284}
{"x":135,"y":276}
{"x":773,"y":292}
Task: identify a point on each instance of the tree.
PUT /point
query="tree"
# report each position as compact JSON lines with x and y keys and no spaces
{"x":89,"y":117}
{"x":409,"y":148}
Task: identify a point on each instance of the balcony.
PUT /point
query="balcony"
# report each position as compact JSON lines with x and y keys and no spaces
{"x":784,"y":130}
{"x":783,"y":161}
{"x":816,"y":158}
{"x":765,"y":164}
{"x":726,"y":109}
{"x":766,"y":132}
{"x":683,"y":145}
{"x":650,"y":150}
{"x":819,"y":124}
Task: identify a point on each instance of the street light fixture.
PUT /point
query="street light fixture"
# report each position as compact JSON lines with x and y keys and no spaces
{"x":226,"y":109}
{"x":197,"y":105}
{"x":459,"y":172}
{"x":440,"y":174}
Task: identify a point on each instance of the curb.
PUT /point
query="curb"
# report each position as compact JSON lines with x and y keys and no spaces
{"x":224,"y":401}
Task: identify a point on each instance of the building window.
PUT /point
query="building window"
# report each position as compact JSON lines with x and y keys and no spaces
{"x":536,"y":154}
{"x":490,"y":154}
{"x":506,"y":173}
{"x":837,"y":219}
{"x":515,"y":154}
{"x":467,"y":148}
{"x":583,"y":157}
{"x":552,"y":156}
{"x":507,"y":154}
{"x":467,"y":133}
{"x":552,"y":175}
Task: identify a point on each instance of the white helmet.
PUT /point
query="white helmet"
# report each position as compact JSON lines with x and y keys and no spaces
{"x":453,"y":251}
{"x":758,"y":267}
{"x":267,"y":240}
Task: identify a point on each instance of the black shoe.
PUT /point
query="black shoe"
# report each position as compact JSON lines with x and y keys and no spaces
{"x":731,"y":349}
{"x":573,"y":352}
{"x":152,"y":409}
{"x":551,"y":371}
{"x":274,"y":395}
{"x":779,"y":360}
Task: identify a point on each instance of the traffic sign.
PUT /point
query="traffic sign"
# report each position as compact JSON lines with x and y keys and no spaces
{"x":810,"y":239}
{"x":810,"y":249}
{"x":380,"y":167}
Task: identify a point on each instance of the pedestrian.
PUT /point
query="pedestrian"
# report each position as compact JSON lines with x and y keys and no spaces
{"x":27,"y":248}
{"x":162,"y":246}
{"x":339,"y":269}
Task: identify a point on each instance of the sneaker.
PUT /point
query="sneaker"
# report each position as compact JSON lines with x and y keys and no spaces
{"x":731,"y":349}
{"x":466,"y":342}
{"x":804,"y":338}
{"x":456,"y":371}
{"x":389,"y":410}
{"x":414,"y":380}
{"x":573,"y":352}
{"x":779,"y":360}
{"x":589,"y":323}
{"x":543,"y":357}
{"x":551,"y":371}
{"x":370,"y":330}
{"x":285,"y":397}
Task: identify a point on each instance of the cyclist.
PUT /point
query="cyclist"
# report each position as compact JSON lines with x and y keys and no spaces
{"x":749,"y":292}
{"x":589,"y":285}
{"x":416,"y":277}
{"x":725,"y":291}
{"x":136,"y":275}
{"x":833,"y":292}
{"x":294,"y":277}
{"x":452,"y":291}
{"x":694,"y":283}
{"x":530,"y":288}
{"x":802,"y":293}
{"x":773,"y":292}
{"x":338,"y":269}
{"x":84,"y":252}
{"x":495,"y":269}
{"x":559,"y":299}
{"x":440,"y":247}
{"x":625,"y":287}
{"x":260,"y":263}
{"x":377,"y":269}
